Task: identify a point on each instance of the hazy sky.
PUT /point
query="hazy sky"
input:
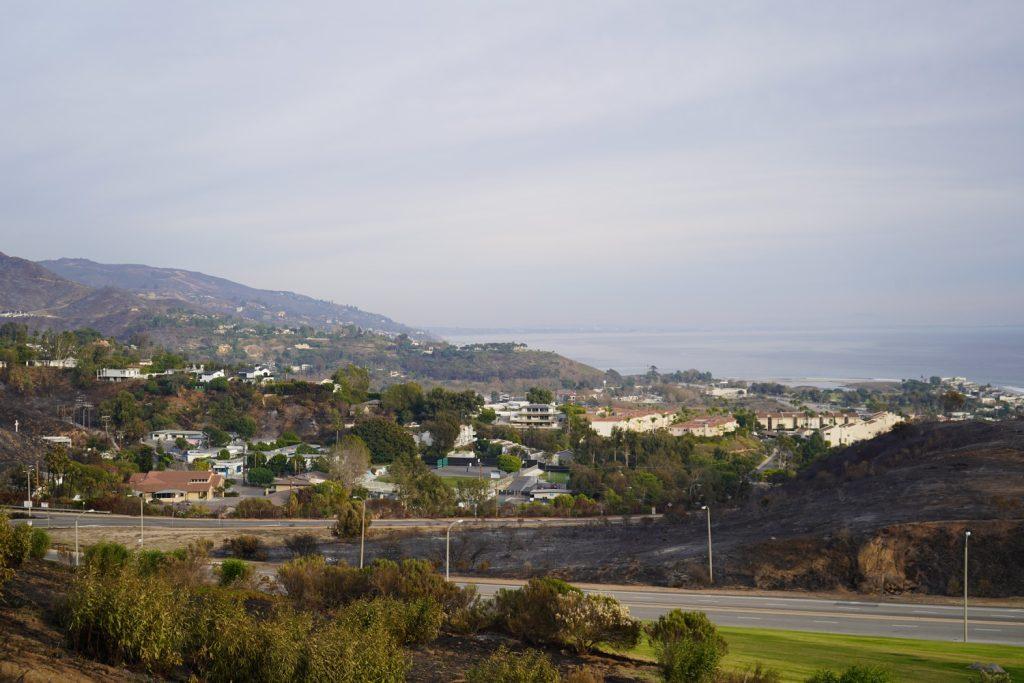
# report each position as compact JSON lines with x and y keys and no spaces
{"x":542,"y":163}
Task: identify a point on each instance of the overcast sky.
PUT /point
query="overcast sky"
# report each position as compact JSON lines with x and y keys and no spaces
{"x":533,"y":164}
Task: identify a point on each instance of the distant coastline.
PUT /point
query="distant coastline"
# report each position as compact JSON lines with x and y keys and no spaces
{"x":825,"y":357}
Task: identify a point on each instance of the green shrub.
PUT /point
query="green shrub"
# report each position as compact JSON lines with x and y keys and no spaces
{"x":409,"y":622}
{"x":586,"y":620}
{"x":124,"y":618}
{"x":233,"y":572}
{"x":246,"y":547}
{"x":758,"y":673}
{"x":302,"y":545}
{"x":106,"y":557}
{"x":531,"y":612}
{"x":853,"y":674}
{"x":39,"y":543}
{"x":688,"y":646}
{"x":505,"y":666}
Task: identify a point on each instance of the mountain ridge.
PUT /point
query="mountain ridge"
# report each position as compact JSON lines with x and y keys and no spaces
{"x":223,"y":296}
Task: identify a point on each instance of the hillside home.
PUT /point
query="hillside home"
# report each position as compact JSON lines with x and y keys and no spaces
{"x":118,"y":374}
{"x":630,"y":421}
{"x":712,"y":426}
{"x":874,"y":425}
{"x":171,"y":486}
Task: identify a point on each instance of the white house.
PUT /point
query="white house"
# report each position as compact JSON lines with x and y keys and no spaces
{"x":205,"y":377}
{"x":194,"y":438}
{"x":630,"y":421}
{"x":256,"y":374}
{"x":118,"y":374}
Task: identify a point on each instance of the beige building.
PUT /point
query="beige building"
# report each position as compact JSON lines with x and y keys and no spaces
{"x":630,"y":421}
{"x":790,"y":420}
{"x":173,"y":486}
{"x":714,"y":425}
{"x":845,"y":434}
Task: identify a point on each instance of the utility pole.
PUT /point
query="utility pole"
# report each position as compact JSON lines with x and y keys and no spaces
{"x":142,"y":520}
{"x":967,"y":538}
{"x":711,"y":568}
{"x":448,"y":550}
{"x":362,"y":537}
{"x":76,"y":542}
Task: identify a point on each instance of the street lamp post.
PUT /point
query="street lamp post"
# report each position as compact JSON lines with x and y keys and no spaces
{"x":448,"y":549}
{"x":142,"y":521}
{"x":967,"y":538}
{"x":362,"y":537}
{"x":711,"y":567}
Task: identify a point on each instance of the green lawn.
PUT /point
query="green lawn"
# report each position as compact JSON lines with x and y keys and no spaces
{"x":797,"y":655}
{"x":556,"y":477}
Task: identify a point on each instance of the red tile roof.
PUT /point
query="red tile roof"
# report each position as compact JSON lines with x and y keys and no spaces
{"x":192,"y":482}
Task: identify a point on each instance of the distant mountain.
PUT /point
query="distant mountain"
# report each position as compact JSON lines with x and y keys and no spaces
{"x":32,"y":294}
{"x":28,"y":287}
{"x":223,"y":297}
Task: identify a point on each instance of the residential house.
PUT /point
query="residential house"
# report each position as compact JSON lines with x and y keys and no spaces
{"x":538,"y":416}
{"x":629,"y":421}
{"x":711,"y":426}
{"x":256,"y":374}
{"x":173,"y":486}
{"x":874,"y":425}
{"x":118,"y":374}
{"x":194,"y":438}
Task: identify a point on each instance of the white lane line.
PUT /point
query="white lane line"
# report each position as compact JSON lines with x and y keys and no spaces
{"x":993,"y":630}
{"x":824,"y":621}
{"x":925,"y":611}
{"x":750,"y":618}
{"x":903,"y":626}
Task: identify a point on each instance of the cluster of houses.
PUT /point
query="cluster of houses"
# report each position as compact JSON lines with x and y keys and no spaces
{"x":837,"y":428}
{"x":256,"y":374}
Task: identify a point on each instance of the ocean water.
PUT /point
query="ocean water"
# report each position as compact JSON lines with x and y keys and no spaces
{"x":824,"y":357}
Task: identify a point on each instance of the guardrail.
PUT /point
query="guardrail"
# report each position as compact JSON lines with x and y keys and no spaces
{"x":36,"y":508}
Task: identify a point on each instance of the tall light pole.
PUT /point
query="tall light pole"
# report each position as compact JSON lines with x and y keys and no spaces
{"x":448,"y":549}
{"x":711,"y":567}
{"x":142,"y":520}
{"x":967,"y":538}
{"x":362,"y":537}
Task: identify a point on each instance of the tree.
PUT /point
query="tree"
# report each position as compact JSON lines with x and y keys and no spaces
{"x":348,"y":460}
{"x":387,"y":440}
{"x":278,"y":464}
{"x":419,"y":489}
{"x":404,"y":401}
{"x":952,"y":401}
{"x":349,"y":522}
{"x":539,"y":395}
{"x":261,"y":476}
{"x":353,"y":383}
{"x":472,"y":493}
{"x":487,"y":415}
{"x":444,"y":431}
{"x":509,"y":463}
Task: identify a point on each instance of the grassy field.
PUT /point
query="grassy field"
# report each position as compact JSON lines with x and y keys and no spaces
{"x":797,"y":655}
{"x":556,"y":477}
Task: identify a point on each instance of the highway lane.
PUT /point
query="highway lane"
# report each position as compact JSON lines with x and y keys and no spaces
{"x":1001,"y":625}
{"x":57,"y":520}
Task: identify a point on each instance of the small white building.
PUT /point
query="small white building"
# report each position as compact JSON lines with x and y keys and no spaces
{"x":205,"y":377}
{"x":712,"y":426}
{"x":118,"y":374}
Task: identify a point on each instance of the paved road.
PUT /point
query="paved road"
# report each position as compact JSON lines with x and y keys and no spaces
{"x":895,"y":620}
{"x":58,"y":520}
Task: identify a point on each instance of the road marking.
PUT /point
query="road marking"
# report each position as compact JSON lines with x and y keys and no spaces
{"x":903,"y":626}
{"x":823,"y":621}
{"x":750,"y":618}
{"x":993,"y":630}
{"x":925,"y":611}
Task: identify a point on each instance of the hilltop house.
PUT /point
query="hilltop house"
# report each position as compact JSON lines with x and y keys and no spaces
{"x":172,"y":486}
{"x":630,"y":421}
{"x":874,"y":425}
{"x":712,"y":426}
{"x":118,"y":374}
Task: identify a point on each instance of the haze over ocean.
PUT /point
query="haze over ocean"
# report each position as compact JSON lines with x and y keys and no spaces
{"x":984,"y":354}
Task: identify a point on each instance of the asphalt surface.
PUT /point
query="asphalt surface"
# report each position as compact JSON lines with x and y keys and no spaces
{"x":58,"y":520}
{"x":1000,"y":625}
